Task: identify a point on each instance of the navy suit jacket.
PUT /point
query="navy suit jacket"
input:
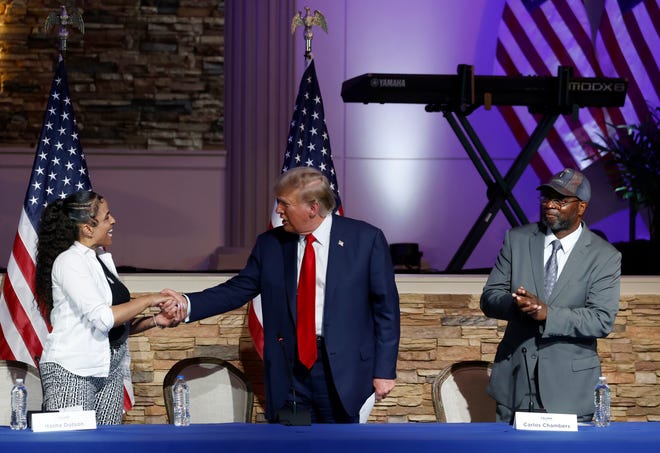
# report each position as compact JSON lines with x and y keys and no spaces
{"x":582,"y":307}
{"x":361,"y":311}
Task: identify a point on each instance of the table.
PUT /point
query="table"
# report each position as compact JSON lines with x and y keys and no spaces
{"x":381,"y":438}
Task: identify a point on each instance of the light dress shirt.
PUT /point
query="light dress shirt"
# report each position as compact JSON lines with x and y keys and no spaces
{"x":82,"y":314}
{"x":322,"y":236}
{"x":567,"y":244}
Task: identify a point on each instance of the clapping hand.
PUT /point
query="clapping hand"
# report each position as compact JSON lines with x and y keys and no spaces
{"x":530,"y":304}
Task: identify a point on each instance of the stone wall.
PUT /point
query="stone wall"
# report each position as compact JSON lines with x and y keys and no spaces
{"x":437,"y":330}
{"x":146,"y":74}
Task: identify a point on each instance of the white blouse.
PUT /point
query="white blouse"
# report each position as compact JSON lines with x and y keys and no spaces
{"x":82,"y":314}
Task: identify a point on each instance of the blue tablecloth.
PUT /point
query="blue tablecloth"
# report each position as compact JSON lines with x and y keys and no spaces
{"x":265,"y":438}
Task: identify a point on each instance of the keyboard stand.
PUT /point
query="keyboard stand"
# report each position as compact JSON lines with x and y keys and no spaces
{"x":499,"y":189}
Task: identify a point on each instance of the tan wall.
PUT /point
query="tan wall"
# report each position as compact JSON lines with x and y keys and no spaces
{"x":168,"y":204}
{"x":441,"y":323}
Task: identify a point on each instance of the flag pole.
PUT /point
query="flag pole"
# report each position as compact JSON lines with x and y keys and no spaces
{"x":59,"y":169}
{"x":73,"y":149}
{"x":308,"y":21}
{"x":308,"y":145}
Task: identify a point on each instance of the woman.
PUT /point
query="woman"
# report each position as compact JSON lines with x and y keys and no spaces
{"x":90,"y":310}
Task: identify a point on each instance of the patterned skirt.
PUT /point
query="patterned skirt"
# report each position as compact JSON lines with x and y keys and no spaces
{"x":105,"y":395}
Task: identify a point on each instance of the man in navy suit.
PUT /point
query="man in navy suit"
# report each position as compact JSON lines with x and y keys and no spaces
{"x":556,"y":306}
{"x":356,"y":305}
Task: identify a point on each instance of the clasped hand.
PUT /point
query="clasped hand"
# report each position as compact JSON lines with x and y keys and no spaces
{"x":173,"y":308}
{"x":172,"y":311}
{"x":530,"y":304}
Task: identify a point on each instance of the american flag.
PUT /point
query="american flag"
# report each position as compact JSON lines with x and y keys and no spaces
{"x":535,"y":37}
{"x":59,"y":169}
{"x":308,"y":144}
{"x":627,"y":45}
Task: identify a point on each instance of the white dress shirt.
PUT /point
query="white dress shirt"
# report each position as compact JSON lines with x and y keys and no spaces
{"x":82,"y":314}
{"x":567,"y":244}
{"x":321,"y":249}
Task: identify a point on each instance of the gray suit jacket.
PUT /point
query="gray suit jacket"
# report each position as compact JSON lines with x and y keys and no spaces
{"x":582,"y":308}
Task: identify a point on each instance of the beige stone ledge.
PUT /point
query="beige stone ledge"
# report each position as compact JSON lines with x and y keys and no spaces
{"x":406,"y":283}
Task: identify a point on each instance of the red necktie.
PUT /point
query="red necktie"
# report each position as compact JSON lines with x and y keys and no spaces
{"x":306,"y":322}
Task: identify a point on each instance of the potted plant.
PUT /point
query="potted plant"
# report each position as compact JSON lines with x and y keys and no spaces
{"x":631,"y":156}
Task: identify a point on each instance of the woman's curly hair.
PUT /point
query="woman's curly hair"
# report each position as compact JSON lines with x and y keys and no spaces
{"x":59,"y":228}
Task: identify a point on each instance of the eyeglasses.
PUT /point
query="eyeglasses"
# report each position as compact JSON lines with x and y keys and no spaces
{"x":561,"y":202}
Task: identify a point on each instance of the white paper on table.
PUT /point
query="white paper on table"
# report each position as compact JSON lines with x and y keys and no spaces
{"x":366,"y":408}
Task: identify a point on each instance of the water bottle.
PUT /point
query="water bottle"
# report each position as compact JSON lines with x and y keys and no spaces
{"x":602,"y":403}
{"x":181,"y":397}
{"x":18,"y":405}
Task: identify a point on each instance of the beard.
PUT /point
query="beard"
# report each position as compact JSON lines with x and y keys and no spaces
{"x":555,"y":222}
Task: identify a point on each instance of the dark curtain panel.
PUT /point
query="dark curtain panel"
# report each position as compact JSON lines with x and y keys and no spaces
{"x":259,"y":94}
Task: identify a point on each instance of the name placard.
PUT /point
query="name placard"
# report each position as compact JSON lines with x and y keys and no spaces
{"x":63,"y":421}
{"x":539,"y":421}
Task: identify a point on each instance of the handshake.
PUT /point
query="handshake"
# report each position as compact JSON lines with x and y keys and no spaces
{"x":173,"y":308}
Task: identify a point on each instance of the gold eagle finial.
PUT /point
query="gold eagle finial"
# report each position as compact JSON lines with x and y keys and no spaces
{"x":308,"y":21}
{"x":64,"y":19}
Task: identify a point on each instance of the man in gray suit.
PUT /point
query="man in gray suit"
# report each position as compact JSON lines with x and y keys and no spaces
{"x":557,"y":285}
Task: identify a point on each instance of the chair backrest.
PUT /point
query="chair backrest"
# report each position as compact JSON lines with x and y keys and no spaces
{"x":9,"y":371}
{"x":219,"y":392}
{"x":459,"y":393}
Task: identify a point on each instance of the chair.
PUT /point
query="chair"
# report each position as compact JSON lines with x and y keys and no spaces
{"x":459,"y":393}
{"x":219,"y":392}
{"x":9,"y":371}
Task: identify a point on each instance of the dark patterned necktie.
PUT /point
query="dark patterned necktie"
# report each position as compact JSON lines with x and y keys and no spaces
{"x":306,"y":321}
{"x":551,"y":269}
